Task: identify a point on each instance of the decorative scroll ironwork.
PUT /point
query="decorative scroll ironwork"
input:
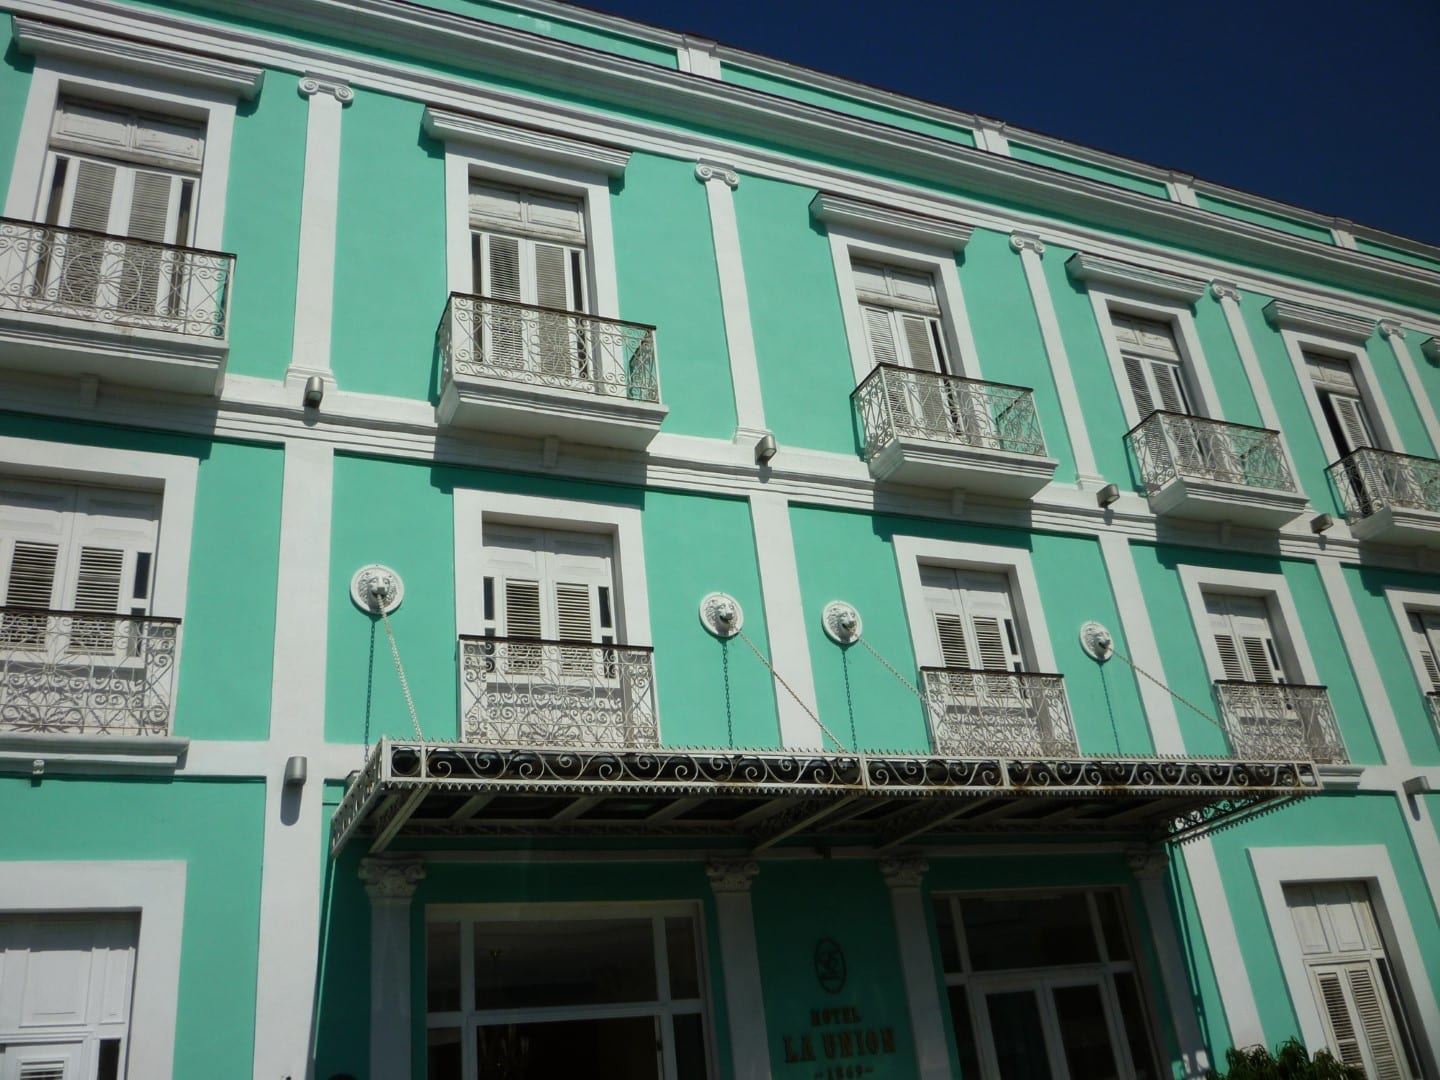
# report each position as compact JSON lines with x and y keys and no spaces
{"x":400,"y":775}
{"x":897,"y":402}
{"x":526,"y":692}
{"x":1432,"y":704}
{"x":1169,"y":445}
{"x":1371,"y":480}
{"x":116,"y":280}
{"x":568,"y":350}
{"x":73,"y":673}
{"x":1280,"y":720}
{"x":979,"y":713}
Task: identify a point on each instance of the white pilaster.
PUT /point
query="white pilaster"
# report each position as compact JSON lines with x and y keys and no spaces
{"x":1228,"y":294}
{"x":917,"y":964}
{"x":990,"y":135}
{"x":720,"y":182}
{"x":1236,"y":995}
{"x":1148,"y":864}
{"x":785,"y":619}
{"x":1394,"y":333}
{"x":390,"y":883}
{"x":1181,"y":189}
{"x":1144,"y":652}
{"x":740,"y":961}
{"x":1031,"y":249}
{"x":289,"y":917}
{"x":315,"y":278}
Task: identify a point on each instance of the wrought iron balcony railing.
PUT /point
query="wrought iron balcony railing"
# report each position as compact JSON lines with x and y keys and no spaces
{"x":114,"y":280}
{"x":1264,"y":720}
{"x":1432,"y":703}
{"x":1370,"y":480}
{"x":998,"y":713}
{"x":75,"y":673}
{"x":567,"y":350}
{"x":1171,"y":445}
{"x":897,"y":402}
{"x":524,"y":692}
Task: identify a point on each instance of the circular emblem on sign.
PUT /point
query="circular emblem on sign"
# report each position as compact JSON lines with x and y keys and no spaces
{"x":829,"y":966}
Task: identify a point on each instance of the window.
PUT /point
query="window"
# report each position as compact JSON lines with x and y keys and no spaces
{"x":973,"y":618}
{"x":1154,"y":365}
{"x":561,"y":991}
{"x":1244,"y":638}
{"x":1342,"y":403}
{"x":903,"y":322}
{"x":1044,"y":984}
{"x":550,"y":585}
{"x":1424,"y":640}
{"x":1351,"y":977}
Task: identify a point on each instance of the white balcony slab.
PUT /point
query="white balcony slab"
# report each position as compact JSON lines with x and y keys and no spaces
{"x":906,"y":459}
{"x":1200,"y":499}
{"x":482,"y":403}
{"x":1399,"y":525}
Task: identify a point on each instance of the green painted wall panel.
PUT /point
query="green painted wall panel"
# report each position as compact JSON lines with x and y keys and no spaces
{"x":1007,"y":334}
{"x":262,"y":226}
{"x":390,"y":287}
{"x":215,"y":828}
{"x":1227,"y":370}
{"x":695,"y":545}
{"x":1185,"y":671}
{"x":14,"y":90}
{"x":1391,"y":651}
{"x":1384,"y":251}
{"x":1075,"y":167}
{"x":797,"y":905}
{"x":1334,"y":819}
{"x":1263,"y":217}
{"x":394,"y":513}
{"x":224,"y":690}
{"x":805,"y":371}
{"x":658,"y":211}
{"x":739,"y":75}
{"x":1395,"y":391}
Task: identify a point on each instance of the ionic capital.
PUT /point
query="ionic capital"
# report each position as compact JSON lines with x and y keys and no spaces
{"x":339,"y":89}
{"x":1225,"y":290}
{"x":905,"y":873}
{"x":391,"y":879}
{"x":1024,"y":241}
{"x":705,"y":171}
{"x":731,"y":875}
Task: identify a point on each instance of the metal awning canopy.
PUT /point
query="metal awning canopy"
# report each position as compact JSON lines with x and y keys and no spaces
{"x":428,"y":790}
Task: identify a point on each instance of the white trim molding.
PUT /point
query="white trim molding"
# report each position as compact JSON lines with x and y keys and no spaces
{"x":1402,"y":602}
{"x":1013,"y":563}
{"x":535,"y":143}
{"x":1393,"y":331}
{"x":730,"y":879}
{"x":1237,"y":994}
{"x":121,"y":54}
{"x":156,"y":890}
{"x":1285,"y":315}
{"x":1276,"y":867}
{"x":1094,"y":270}
{"x":856,"y":215}
{"x":917,"y":964}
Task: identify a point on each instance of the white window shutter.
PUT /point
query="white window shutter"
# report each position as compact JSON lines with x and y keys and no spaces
{"x":1135,"y":369}
{"x":522,"y":609}
{"x":973,"y":617}
{"x":31,"y":580}
{"x":1244,"y":638}
{"x":502,"y":268}
{"x":92,"y":195}
{"x":1425,"y":642}
{"x":950,"y":630}
{"x":922,"y":342}
{"x":881,"y":332}
{"x":1169,"y":386}
{"x":151,"y":207}
{"x":1354,"y":424}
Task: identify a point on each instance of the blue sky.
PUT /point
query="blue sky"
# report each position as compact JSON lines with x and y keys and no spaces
{"x":1334,"y":107}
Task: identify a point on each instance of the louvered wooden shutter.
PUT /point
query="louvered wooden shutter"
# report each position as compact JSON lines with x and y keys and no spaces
{"x":501,"y":335}
{"x":1357,"y":1020}
{"x":1350,"y":413}
{"x":89,"y":208}
{"x":42,"y":1070}
{"x":1425,"y":642}
{"x":882,"y":336}
{"x":1342,"y":400}
{"x":1139,"y":385}
{"x":1153,"y":364}
{"x":149,"y":219}
{"x":950,"y":629}
{"x":973,"y":618}
{"x":558,"y":337}
{"x":1244,"y":638}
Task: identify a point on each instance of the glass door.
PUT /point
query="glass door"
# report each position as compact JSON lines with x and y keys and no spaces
{"x":1053,"y":1029}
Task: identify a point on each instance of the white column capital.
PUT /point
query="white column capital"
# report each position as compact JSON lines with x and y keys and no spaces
{"x":1147,"y":861}
{"x":1025,"y":241}
{"x":1225,"y":290}
{"x":1391,"y":328}
{"x":339,"y":89}
{"x":706,"y":171}
{"x":731,"y":875}
{"x":903,"y":873}
{"x":391,"y":879}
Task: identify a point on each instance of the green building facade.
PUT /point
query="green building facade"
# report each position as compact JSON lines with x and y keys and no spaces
{"x":537,"y":545}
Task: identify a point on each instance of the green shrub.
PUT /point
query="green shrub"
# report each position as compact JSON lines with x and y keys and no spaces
{"x":1289,"y":1062}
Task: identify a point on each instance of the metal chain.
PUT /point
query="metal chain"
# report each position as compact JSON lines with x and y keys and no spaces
{"x":404,"y":682}
{"x":901,"y":678}
{"x":1178,"y":697}
{"x":729,"y":716}
{"x":780,"y":679}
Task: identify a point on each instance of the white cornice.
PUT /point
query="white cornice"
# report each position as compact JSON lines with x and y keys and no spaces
{"x":1284,"y":315}
{"x":747,"y":114}
{"x":49,"y":39}
{"x":888,"y":221}
{"x":529,"y":142}
{"x":1092,"y":269}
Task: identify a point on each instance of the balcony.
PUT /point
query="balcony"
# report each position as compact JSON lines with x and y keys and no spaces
{"x":73,"y":673}
{"x":936,"y":430}
{"x":527,"y":370}
{"x":1207,"y":470}
{"x":524,"y":692}
{"x":998,"y":714}
{"x":1271,"y":721}
{"x":79,"y":303}
{"x":1390,"y":498}
{"x":1432,"y":706}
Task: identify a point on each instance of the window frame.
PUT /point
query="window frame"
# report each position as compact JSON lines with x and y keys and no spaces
{"x":1015,"y":565}
{"x":1284,"y":618}
{"x":1276,"y":867}
{"x":581,"y":911}
{"x":1402,"y":602}
{"x":1300,"y":342}
{"x":1108,"y":300}
{"x":55,"y":78}
{"x":474,"y":507}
